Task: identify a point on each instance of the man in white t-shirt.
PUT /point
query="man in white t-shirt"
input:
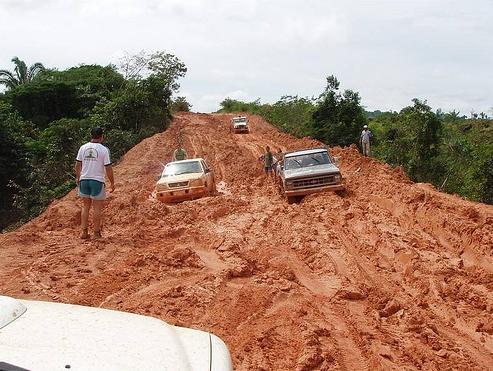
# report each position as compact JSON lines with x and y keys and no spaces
{"x":92,"y":165}
{"x":365,"y":140}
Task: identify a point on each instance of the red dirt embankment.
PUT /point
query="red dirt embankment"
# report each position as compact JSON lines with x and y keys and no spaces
{"x":390,"y":275}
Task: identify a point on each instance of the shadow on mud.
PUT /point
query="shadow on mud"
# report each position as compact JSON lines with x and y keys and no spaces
{"x":298,"y":199}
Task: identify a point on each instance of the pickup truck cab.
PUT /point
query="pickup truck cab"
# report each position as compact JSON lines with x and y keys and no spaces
{"x":239,"y":124}
{"x":308,"y":171}
{"x":185,"y":180}
{"x":37,"y":335}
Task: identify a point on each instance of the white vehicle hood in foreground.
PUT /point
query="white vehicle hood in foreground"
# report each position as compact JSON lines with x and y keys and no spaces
{"x":52,"y":336}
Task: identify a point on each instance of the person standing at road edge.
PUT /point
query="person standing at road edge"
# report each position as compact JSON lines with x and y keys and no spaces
{"x":268,"y":160}
{"x":92,"y":164}
{"x":365,"y":140}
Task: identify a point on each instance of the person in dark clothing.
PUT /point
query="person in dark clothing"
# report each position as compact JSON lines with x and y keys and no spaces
{"x":268,"y":159}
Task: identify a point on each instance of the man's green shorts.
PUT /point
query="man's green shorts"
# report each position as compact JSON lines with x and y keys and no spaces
{"x":89,"y":188}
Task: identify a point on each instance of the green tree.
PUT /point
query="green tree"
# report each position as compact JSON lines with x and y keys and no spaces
{"x":466,"y":154}
{"x":45,"y":101}
{"x":91,"y":83}
{"x":15,"y":167}
{"x":180,"y":104}
{"x":424,"y":128}
{"x":412,"y":139}
{"x":338,"y":118}
{"x":486,"y":189}
{"x":21,"y":75}
{"x":167,"y":67}
{"x":140,"y":106}
{"x":452,"y":116}
{"x":230,"y":105}
{"x":72,"y":93}
{"x":51,"y":160}
{"x":291,"y":114}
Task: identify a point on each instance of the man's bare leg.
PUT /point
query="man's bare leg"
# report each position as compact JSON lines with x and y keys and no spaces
{"x":97,"y":217}
{"x":85,"y":217}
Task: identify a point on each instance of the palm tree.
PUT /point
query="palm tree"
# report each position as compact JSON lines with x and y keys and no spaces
{"x":21,"y":75}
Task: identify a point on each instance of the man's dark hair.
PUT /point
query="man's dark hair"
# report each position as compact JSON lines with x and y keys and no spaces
{"x":96,"y":133}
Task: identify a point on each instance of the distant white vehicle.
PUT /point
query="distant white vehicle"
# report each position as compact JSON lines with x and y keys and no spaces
{"x":239,"y":124}
{"x":36,"y":335}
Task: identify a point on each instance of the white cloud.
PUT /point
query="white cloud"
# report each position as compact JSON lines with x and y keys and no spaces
{"x":389,"y":51}
{"x":211,"y":102}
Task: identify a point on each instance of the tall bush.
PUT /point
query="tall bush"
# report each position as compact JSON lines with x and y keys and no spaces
{"x":339,"y":117}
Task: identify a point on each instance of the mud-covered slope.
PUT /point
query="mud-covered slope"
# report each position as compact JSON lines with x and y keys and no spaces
{"x":390,"y":275}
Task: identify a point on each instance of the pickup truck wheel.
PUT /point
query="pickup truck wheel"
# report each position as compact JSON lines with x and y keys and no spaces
{"x":280,"y":191}
{"x":213,"y":190}
{"x":294,"y":199}
{"x":342,"y":193}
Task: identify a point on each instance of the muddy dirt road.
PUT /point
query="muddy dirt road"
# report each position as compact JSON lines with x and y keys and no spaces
{"x":391,"y":275}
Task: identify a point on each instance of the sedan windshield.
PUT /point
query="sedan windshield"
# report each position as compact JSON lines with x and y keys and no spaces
{"x":178,"y":168}
{"x":312,"y":159}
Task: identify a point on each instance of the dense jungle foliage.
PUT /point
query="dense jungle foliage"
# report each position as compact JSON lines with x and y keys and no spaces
{"x":46,"y":114}
{"x":454,"y":153}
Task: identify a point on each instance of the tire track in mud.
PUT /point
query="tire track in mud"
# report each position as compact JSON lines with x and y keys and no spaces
{"x":391,"y":275}
{"x":397,"y":286}
{"x":349,"y":357}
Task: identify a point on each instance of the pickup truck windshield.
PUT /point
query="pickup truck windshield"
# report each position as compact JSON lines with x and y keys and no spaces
{"x":312,"y":159}
{"x":182,"y":168}
{"x":240,"y":121}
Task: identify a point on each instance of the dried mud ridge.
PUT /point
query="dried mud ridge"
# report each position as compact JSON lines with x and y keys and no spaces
{"x":390,"y":275}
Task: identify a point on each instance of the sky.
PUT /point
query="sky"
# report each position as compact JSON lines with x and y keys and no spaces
{"x":390,"y":51}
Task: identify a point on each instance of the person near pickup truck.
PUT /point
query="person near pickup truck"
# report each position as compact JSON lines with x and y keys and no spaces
{"x":268,"y":159}
{"x":365,"y":140}
{"x":277,"y":162}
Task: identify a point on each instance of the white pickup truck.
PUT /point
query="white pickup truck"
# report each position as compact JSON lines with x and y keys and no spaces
{"x":239,"y":124}
{"x":36,"y":335}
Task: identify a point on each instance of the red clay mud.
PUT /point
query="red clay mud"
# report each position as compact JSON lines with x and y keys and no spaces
{"x":389,"y":275}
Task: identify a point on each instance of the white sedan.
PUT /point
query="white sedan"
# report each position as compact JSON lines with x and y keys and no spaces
{"x":185,"y":180}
